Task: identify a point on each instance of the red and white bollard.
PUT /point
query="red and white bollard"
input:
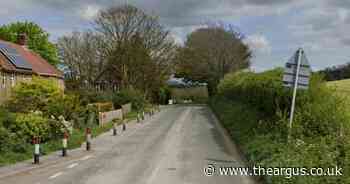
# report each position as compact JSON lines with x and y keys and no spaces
{"x":36,"y":150}
{"x":88,"y":139}
{"x":64,"y":144}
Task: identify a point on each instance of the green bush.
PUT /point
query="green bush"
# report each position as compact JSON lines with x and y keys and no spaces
{"x":255,"y":109}
{"x":45,"y":96}
{"x":164,"y":95}
{"x":29,"y":125}
{"x":63,"y":105}
{"x":133,"y":96}
{"x":33,"y":95}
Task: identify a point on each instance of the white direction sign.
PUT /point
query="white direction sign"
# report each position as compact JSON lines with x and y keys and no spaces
{"x":297,"y":75}
{"x":297,"y":68}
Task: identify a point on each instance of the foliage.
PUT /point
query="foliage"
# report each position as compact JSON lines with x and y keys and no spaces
{"x":336,"y":72}
{"x":12,"y":155}
{"x":63,"y":105}
{"x":38,"y":39}
{"x":164,"y":95}
{"x":30,"y":125}
{"x":127,"y":48}
{"x":133,"y":96}
{"x":43,"y":95}
{"x":210,"y":53}
{"x":321,"y":131}
{"x":33,"y":95}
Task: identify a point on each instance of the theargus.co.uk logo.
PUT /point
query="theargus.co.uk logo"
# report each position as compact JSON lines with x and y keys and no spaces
{"x":287,"y":172}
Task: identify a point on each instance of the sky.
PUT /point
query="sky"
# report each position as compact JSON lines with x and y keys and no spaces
{"x":274,"y":29}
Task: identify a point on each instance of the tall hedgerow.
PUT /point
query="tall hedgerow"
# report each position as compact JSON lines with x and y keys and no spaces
{"x":320,"y":133}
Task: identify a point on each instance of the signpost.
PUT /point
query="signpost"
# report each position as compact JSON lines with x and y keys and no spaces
{"x":296,"y":75}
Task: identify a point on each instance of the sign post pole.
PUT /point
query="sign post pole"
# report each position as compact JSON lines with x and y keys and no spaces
{"x":294,"y":94}
{"x":297,"y":75}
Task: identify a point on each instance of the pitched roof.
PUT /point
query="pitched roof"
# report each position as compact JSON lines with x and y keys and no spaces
{"x":39,"y":65}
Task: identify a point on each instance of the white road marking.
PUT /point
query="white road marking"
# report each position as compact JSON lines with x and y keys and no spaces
{"x":72,"y":166}
{"x":86,"y":157}
{"x":55,"y":175}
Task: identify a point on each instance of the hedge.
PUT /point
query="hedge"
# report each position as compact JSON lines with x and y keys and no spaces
{"x":255,"y":108}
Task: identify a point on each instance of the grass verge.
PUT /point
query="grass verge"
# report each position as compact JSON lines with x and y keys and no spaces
{"x":75,"y":141}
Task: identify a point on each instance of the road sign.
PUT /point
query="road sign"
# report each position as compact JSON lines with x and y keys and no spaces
{"x":297,"y":75}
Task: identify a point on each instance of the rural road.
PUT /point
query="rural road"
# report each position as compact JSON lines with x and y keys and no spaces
{"x":172,"y":147}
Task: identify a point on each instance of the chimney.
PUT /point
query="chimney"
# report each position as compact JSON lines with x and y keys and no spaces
{"x":22,"y":39}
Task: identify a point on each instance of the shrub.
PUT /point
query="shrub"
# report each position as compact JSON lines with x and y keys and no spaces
{"x":33,"y":95}
{"x":63,"y":105}
{"x":133,"y":96}
{"x":27,"y":126}
{"x":45,"y":96}
{"x":255,"y":108}
{"x":164,"y":95}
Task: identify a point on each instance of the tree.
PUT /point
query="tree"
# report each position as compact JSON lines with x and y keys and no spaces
{"x":138,"y":49}
{"x":210,"y":53}
{"x":82,"y":58}
{"x":126,"y":46}
{"x":38,"y":39}
{"x":336,"y":72}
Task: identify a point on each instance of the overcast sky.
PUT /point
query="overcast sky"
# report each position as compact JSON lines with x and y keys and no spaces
{"x":274,"y":29}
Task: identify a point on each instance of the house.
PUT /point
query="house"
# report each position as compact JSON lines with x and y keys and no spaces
{"x":18,"y":63}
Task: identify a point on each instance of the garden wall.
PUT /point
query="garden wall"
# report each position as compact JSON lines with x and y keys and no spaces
{"x":106,"y":117}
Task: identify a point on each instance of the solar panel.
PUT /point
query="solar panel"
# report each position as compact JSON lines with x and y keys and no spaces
{"x":14,"y":57}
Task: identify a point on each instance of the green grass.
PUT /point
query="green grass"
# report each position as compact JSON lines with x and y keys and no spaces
{"x":342,"y":89}
{"x":340,"y":85}
{"x":75,"y":140}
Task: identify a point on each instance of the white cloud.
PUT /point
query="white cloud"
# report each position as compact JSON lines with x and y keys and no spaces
{"x":258,"y":43}
{"x":89,"y":12}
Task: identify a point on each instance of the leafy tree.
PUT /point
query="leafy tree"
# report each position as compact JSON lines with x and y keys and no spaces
{"x":38,"y":39}
{"x":210,"y":53}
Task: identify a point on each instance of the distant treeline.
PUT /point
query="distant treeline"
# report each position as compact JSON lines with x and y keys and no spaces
{"x":337,"y":72}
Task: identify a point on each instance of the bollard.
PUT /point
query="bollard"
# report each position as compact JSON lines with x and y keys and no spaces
{"x":138,"y":118}
{"x":88,"y":139}
{"x":64,"y":144}
{"x":36,"y":150}
{"x":143,"y":115}
{"x":115,"y":129}
{"x":124,"y":125}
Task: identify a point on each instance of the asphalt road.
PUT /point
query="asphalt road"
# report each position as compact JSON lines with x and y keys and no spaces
{"x":172,"y":147}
